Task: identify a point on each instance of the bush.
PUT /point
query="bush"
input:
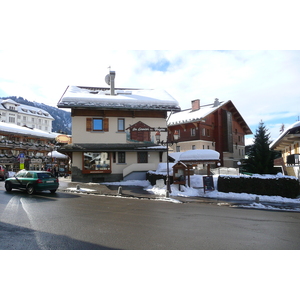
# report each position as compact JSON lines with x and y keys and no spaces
{"x":277,"y":186}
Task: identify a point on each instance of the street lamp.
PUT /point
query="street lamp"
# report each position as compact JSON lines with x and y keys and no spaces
{"x":219,"y":165}
{"x":239,"y":164}
{"x":167,"y":143}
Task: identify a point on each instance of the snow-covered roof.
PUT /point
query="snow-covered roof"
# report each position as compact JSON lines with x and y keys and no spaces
{"x":199,"y":155}
{"x":13,"y":128}
{"x":189,"y":115}
{"x":175,"y":155}
{"x":26,"y":109}
{"x":293,"y":129}
{"x":196,"y":115}
{"x":142,"y":99}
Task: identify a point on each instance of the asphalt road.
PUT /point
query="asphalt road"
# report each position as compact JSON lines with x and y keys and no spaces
{"x":74,"y":221}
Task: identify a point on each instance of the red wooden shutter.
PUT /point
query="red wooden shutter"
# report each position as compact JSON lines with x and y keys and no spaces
{"x":89,"y":122}
{"x":105,"y":124}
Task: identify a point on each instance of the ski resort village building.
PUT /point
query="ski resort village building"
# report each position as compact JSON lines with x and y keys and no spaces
{"x":22,"y":147}
{"x":113,"y":131}
{"x":24,"y":115}
{"x":288,"y":143}
{"x":217,"y":126}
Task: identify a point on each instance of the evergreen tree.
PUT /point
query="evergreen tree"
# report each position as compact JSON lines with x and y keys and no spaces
{"x":260,"y":158}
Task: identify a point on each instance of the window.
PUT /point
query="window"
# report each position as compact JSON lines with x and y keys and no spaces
{"x":203,"y":131}
{"x":193,"y":131}
{"x":97,"y":124}
{"x":96,"y":162}
{"x":160,"y":156}
{"x":121,"y":158}
{"x":142,"y":157}
{"x":193,"y":147}
{"x":177,"y":148}
{"x":121,"y":124}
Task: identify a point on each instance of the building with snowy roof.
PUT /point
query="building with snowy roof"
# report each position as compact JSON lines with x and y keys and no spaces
{"x":24,"y":115}
{"x":218,"y":126}
{"x":288,"y":143}
{"x":113,"y":131}
{"x":32,"y":144}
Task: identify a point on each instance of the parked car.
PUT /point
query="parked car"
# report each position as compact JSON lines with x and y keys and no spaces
{"x":3,"y":172}
{"x":32,"y":181}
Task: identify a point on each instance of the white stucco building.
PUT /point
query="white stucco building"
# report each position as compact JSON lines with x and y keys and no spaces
{"x":24,"y":115}
{"x":113,"y":131}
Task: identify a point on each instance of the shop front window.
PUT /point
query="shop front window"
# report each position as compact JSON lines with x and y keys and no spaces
{"x":96,"y":162}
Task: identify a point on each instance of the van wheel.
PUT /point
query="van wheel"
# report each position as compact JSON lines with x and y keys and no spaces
{"x":30,"y":189}
{"x":8,"y":186}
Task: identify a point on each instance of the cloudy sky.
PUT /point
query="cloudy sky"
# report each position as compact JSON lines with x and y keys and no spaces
{"x":46,"y":46}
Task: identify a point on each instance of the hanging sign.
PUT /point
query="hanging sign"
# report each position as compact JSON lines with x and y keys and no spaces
{"x":63,"y":138}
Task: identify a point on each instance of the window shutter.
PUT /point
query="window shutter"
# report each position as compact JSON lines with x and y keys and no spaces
{"x":105,"y":124}
{"x":89,"y":122}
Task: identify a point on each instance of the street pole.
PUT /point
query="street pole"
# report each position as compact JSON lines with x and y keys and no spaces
{"x":167,"y":142}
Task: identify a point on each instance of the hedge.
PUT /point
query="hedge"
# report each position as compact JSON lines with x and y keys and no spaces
{"x":283,"y":186}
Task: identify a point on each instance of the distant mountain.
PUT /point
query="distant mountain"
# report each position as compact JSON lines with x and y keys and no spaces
{"x":62,"y":119}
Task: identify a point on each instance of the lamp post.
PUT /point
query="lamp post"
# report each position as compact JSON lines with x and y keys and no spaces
{"x":167,"y":143}
{"x":219,"y":165}
{"x":239,"y":165}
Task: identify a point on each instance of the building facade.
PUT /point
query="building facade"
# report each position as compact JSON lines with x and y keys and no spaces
{"x":22,"y":147}
{"x":113,"y":131}
{"x":217,"y":126}
{"x":23,"y":115}
{"x":288,"y":143}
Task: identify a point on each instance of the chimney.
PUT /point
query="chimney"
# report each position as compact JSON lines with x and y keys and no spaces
{"x":216,"y":103}
{"x":195,"y":104}
{"x":112,"y":75}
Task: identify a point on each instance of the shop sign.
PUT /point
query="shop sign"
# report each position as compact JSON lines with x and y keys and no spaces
{"x":63,"y":138}
{"x":161,"y":129}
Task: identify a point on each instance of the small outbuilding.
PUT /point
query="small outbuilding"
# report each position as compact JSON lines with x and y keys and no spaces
{"x":191,"y":158}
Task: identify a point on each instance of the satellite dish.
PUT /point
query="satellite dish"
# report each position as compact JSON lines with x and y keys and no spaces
{"x":107,"y":79}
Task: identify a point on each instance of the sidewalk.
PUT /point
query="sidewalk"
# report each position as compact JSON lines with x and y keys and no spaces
{"x":66,"y":185}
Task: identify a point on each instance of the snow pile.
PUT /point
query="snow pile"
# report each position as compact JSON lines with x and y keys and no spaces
{"x":162,"y":169}
{"x":80,"y":190}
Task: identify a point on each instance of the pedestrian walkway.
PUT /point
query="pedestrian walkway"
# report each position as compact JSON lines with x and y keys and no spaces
{"x":66,"y":185}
